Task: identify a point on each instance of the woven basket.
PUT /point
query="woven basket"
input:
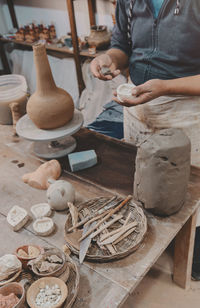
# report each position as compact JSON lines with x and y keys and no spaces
{"x":72,"y":281}
{"x":124,"y":247}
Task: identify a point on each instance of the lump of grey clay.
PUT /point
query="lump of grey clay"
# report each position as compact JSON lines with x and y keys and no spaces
{"x":162,"y":171}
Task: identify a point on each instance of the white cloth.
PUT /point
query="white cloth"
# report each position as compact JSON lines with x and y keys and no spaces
{"x":164,"y":112}
{"x":96,"y":94}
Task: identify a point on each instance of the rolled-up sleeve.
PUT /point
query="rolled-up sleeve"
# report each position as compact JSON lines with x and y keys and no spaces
{"x":119,"y":37}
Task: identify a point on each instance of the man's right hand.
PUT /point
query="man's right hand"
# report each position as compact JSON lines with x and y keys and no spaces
{"x":103,"y":61}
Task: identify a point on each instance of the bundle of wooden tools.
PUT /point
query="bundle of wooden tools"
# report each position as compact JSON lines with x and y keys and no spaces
{"x":105,"y":228}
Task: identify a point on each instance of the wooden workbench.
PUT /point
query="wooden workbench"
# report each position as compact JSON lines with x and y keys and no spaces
{"x":106,"y":284}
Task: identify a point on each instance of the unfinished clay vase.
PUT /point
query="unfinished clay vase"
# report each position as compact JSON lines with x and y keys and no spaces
{"x":49,"y":107}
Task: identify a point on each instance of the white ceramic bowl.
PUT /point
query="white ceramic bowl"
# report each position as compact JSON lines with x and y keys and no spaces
{"x":124,"y":91}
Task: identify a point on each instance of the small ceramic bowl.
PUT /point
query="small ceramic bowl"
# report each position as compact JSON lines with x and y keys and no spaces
{"x":40,"y":284}
{"x":17,"y":289}
{"x":48,"y":252}
{"x":24,"y":259}
{"x":124,"y":91}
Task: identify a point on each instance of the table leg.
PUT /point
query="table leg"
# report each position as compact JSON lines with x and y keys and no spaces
{"x":183,"y":253}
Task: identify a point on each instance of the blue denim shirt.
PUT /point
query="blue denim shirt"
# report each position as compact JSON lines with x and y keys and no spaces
{"x":166,"y":47}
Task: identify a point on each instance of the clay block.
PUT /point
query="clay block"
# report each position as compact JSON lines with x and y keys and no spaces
{"x":82,"y":160}
{"x":162,"y":171}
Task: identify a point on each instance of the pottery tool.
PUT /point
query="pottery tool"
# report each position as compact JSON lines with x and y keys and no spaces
{"x":111,"y":248}
{"x":105,"y":226}
{"x":102,"y":211}
{"x":124,"y":235}
{"x":108,"y":234}
{"x":82,"y":160}
{"x":113,"y":211}
{"x":85,"y":244}
{"x":73,"y":212}
{"x":114,"y":237}
{"x":87,"y":220}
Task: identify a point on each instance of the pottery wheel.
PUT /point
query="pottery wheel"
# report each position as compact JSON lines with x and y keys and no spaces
{"x":53,"y":143}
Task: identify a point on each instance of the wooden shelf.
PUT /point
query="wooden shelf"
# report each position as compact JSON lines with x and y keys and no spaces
{"x":53,"y":47}
{"x":78,"y":55}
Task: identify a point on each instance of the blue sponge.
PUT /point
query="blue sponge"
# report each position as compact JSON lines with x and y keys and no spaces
{"x":82,"y":160}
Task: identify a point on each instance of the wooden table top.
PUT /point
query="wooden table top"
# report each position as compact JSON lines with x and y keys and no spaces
{"x":101,"y":285}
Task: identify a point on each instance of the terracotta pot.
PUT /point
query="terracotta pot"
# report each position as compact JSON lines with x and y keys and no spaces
{"x":49,"y":107}
{"x":17,"y":289}
{"x":25,"y":260}
{"x":99,"y":37}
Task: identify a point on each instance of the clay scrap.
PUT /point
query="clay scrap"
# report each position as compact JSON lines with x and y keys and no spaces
{"x":48,"y":296}
{"x":162,"y":171}
{"x":39,"y":178}
{"x":8,"y":301}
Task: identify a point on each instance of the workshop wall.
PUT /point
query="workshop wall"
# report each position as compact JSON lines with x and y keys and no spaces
{"x":48,"y":11}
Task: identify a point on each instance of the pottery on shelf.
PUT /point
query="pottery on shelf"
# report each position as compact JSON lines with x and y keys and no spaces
{"x":99,"y":37}
{"x":49,"y":107}
{"x":59,"y":194}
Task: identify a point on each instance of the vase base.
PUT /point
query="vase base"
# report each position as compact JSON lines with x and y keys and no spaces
{"x":54,"y":149}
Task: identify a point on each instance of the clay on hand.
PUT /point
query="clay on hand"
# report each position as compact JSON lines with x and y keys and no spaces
{"x":39,"y":178}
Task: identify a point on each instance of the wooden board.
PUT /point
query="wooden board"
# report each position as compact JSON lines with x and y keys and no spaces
{"x":99,"y":282}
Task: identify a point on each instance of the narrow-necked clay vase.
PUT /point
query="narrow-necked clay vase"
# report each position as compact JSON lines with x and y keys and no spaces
{"x":49,"y":107}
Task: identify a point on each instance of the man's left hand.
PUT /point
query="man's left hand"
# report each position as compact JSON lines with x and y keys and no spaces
{"x":144,"y":93}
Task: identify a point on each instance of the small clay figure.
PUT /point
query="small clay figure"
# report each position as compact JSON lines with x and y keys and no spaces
{"x":39,"y":178}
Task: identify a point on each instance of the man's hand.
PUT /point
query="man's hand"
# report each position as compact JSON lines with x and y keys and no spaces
{"x":103,"y":61}
{"x":144,"y":93}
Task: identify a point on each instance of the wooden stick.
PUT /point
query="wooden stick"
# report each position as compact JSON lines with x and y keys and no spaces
{"x":108,"y":234}
{"x":108,"y":224}
{"x":113,"y":238}
{"x":111,"y":248}
{"x":124,"y":235}
{"x":97,"y":217}
{"x":87,"y":219}
{"x":127,"y":219}
{"x":113,"y":211}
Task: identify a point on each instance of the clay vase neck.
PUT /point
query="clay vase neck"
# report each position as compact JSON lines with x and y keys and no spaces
{"x":49,"y":106}
{"x":45,"y":82}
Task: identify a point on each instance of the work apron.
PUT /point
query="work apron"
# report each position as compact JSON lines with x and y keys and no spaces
{"x":165,"y":112}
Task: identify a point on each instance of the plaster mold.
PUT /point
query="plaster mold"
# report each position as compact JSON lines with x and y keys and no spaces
{"x":17,"y":217}
{"x":41,"y":210}
{"x":43,"y":226}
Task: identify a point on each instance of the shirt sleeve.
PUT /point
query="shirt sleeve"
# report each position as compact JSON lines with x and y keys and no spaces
{"x":119,"y":37}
